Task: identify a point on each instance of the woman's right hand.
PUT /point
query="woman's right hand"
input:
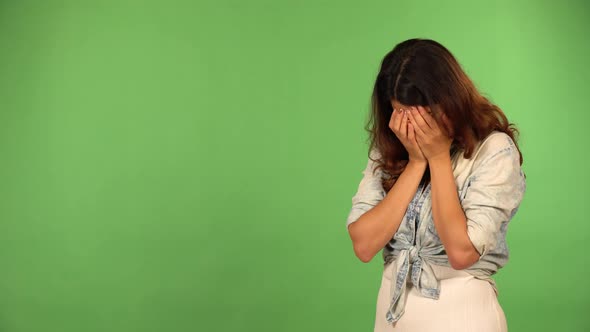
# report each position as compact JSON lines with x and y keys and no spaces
{"x":403,"y":129}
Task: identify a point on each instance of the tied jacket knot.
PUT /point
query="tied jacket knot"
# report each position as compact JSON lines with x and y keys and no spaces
{"x":411,"y":259}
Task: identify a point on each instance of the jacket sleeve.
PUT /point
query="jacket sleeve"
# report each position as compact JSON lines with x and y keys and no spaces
{"x":369,"y":192}
{"x":494,"y":193}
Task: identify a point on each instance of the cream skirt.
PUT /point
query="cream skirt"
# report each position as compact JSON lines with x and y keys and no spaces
{"x":465,"y":304}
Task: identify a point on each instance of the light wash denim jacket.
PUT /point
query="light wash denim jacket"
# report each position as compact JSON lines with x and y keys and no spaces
{"x":491,"y":186}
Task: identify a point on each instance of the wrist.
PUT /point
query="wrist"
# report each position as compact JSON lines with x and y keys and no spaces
{"x":442,"y":158}
{"x":418,"y":163}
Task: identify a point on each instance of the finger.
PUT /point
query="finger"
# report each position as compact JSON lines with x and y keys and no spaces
{"x":404,"y":126}
{"x":397,"y":120}
{"x":415,"y":139}
{"x":418,"y":122}
{"x":411,"y":133}
{"x":427,"y":117}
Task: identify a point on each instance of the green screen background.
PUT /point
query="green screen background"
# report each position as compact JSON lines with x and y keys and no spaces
{"x":189,"y":165}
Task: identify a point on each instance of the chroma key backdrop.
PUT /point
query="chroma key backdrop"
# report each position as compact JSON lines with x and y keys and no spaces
{"x":176,"y":166}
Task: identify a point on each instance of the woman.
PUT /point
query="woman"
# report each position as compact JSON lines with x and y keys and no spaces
{"x":442,"y":182}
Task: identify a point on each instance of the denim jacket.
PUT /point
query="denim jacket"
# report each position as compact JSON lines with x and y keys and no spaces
{"x":490,"y":185}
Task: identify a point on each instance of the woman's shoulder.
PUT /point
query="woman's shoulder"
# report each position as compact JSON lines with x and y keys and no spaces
{"x":497,"y":142}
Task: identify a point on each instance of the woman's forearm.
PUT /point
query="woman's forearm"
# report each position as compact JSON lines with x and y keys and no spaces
{"x":449,"y":218}
{"x":375,"y":228}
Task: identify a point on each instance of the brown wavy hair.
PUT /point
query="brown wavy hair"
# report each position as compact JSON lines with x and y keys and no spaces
{"x":423,"y":72}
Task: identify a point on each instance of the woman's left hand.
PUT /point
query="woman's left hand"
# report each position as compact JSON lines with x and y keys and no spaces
{"x":433,"y":141}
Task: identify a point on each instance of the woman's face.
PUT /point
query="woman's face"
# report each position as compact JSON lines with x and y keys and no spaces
{"x":446,"y":124}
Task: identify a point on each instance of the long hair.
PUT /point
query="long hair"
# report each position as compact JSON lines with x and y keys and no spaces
{"x":423,"y":72}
